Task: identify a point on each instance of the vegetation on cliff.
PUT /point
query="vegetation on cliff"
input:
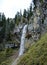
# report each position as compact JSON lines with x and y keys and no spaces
{"x":37,"y":54}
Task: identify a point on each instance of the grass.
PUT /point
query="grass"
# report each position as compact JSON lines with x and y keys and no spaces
{"x":6,"y":62}
{"x":5,"y":56}
{"x":37,"y":54}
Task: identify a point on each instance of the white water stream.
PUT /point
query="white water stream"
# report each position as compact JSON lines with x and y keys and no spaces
{"x":23,"y":40}
{"x":21,"y":51}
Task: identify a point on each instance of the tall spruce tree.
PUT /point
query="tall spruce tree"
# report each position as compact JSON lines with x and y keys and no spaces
{"x":2,"y":27}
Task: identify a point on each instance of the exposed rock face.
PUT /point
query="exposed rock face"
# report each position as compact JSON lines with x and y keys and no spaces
{"x":39,"y":19}
{"x":37,"y":22}
{"x":30,"y":27}
{"x":45,"y":21}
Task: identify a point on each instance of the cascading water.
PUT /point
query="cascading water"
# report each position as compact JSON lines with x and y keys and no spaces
{"x":21,"y":51}
{"x":23,"y":40}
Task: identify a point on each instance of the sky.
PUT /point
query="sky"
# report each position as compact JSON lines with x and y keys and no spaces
{"x":10,"y":7}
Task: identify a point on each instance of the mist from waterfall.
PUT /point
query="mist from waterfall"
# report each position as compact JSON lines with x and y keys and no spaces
{"x":21,"y":51}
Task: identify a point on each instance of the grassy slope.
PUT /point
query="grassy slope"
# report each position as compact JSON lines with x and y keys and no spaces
{"x":37,"y":54}
{"x":5,"y":56}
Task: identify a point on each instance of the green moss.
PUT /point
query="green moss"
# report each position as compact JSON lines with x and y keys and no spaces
{"x":37,"y":54}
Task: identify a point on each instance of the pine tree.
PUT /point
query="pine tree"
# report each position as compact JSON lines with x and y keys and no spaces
{"x":2,"y":27}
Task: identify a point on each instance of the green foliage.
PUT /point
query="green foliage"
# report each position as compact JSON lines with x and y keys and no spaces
{"x":34,"y":3}
{"x":4,"y":56}
{"x":9,"y":52}
{"x":12,"y":25}
{"x":7,"y":62}
{"x":2,"y":26}
{"x":18,"y":17}
{"x":29,"y":13}
{"x":25,"y":13}
{"x":37,"y":54}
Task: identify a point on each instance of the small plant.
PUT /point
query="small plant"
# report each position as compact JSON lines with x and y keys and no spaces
{"x":9,"y":52}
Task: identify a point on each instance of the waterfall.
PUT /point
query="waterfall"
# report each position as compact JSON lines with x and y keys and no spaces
{"x":21,"y":51}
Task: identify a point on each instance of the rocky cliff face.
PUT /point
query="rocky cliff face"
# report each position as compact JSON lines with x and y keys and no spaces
{"x":37,"y":24}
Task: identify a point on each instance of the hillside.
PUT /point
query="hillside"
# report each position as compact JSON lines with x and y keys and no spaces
{"x":37,"y":54}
